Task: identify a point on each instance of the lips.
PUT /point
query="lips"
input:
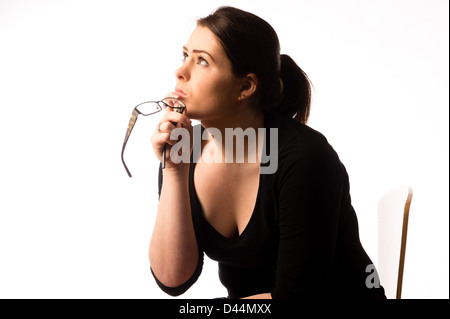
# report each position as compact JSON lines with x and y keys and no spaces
{"x":180,"y":92}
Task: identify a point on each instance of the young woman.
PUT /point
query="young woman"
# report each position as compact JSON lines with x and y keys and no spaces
{"x":290,"y":233}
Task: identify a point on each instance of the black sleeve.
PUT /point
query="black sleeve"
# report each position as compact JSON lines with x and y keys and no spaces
{"x":310,"y":191}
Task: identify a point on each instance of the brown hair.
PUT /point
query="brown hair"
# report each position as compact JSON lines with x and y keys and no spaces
{"x":252,"y":46}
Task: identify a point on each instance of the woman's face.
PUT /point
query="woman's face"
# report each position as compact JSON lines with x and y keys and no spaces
{"x":205,"y":81}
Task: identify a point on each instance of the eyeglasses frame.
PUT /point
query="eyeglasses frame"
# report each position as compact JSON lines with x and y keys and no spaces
{"x":134,"y":117}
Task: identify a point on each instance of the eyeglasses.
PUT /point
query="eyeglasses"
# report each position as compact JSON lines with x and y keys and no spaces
{"x":149,"y":108}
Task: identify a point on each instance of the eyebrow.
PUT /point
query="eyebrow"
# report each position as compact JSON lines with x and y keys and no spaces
{"x":200,"y":51}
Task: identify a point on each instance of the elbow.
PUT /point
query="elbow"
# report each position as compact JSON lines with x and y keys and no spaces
{"x":174,"y":276}
{"x":174,"y":286}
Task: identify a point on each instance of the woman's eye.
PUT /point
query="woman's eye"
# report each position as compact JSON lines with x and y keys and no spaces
{"x":202,"y":61}
{"x":185,"y":56}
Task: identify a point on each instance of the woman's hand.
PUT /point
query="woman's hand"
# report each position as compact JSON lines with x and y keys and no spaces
{"x":163,"y":132}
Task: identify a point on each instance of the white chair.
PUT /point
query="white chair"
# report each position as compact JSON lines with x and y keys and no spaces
{"x":393,"y":214}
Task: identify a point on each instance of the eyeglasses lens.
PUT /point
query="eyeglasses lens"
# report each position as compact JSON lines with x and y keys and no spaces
{"x":148,"y":108}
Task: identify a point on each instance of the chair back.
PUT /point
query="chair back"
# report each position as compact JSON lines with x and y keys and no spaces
{"x":393,"y":214}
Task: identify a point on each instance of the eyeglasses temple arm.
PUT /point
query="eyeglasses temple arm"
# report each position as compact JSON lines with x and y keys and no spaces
{"x":131,"y":124}
{"x":125,"y":165}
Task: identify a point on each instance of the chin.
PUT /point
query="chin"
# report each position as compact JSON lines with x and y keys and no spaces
{"x":195,"y":113}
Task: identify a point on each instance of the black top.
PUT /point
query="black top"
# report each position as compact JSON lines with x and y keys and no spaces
{"x":302,"y":240}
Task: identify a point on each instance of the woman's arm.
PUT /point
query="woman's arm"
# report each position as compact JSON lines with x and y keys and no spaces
{"x":311,"y":186}
{"x":173,"y":250}
{"x":260,"y":296}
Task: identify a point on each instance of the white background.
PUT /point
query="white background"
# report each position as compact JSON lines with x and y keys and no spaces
{"x":74,"y":225}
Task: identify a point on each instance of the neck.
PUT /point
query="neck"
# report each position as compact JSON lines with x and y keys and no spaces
{"x":236,"y":134}
{"x":243,"y":117}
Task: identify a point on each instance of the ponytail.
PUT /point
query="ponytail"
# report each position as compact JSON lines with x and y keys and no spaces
{"x":296,"y":99}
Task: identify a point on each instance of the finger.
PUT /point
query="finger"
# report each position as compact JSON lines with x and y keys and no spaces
{"x":175,"y":117}
{"x":166,"y":127}
{"x":158,"y":140}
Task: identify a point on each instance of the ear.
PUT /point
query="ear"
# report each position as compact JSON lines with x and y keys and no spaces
{"x":248,"y":87}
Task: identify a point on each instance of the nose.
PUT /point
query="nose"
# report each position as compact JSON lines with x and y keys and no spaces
{"x":182,"y":73}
